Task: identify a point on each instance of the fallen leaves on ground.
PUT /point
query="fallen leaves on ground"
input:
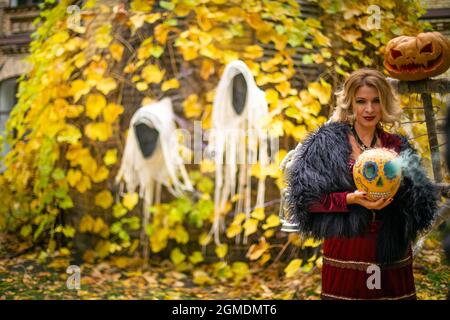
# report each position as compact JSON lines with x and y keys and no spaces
{"x":22,"y":277}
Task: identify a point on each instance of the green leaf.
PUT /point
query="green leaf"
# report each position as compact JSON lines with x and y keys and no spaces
{"x":58,"y":174}
{"x":156,"y":51}
{"x":167,"y":5}
{"x":172,"y":22}
{"x":66,"y":203}
{"x":26,"y":230}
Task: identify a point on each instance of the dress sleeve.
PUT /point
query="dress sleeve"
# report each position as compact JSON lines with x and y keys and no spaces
{"x":331,"y":202}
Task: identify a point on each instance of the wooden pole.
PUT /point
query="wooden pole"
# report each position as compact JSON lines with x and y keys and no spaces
{"x":432,"y":136}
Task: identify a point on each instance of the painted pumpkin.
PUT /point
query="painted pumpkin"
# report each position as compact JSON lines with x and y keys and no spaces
{"x":378,"y":172}
{"x":416,"y":58}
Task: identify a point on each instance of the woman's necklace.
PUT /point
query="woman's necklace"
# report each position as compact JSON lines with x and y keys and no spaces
{"x":361,"y":145}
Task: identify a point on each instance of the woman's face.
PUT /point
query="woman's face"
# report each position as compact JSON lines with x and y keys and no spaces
{"x":366,"y":106}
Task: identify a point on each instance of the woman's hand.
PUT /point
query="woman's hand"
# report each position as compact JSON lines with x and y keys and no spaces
{"x":360,"y":197}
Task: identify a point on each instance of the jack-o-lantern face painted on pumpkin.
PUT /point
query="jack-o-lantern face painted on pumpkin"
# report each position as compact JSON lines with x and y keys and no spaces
{"x":416,"y":58}
{"x":377,"y":172}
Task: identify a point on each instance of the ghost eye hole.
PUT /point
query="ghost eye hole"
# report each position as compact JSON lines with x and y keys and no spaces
{"x":391,"y":169}
{"x":370,"y":170}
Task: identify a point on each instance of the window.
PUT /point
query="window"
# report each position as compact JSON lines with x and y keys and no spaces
{"x":8,"y":90}
{"x":21,"y":3}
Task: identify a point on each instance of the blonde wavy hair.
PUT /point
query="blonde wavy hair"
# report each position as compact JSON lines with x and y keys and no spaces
{"x":390,"y":107}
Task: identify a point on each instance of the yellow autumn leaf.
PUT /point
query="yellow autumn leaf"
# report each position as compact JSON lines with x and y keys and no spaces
{"x":86,"y":223}
{"x":110,"y":157}
{"x":319,"y":263}
{"x":350,"y":35}
{"x":221,"y":250}
{"x":73,"y":177}
{"x":101,"y":131}
{"x":307,"y":267}
{"x":84,"y":184}
{"x":102,"y":248}
{"x":141,"y":6}
{"x":250,"y":226}
{"x":207,"y":69}
{"x":111,"y":112}
{"x":170,"y":84}
{"x":94,"y":105}
{"x":177,"y":256}
{"x":207,"y":166}
{"x":70,"y":134}
{"x":104,"y":199}
{"x":79,"y":88}
{"x":152,"y":17}
{"x":240,"y":271}
{"x":189,"y":51}
{"x":292,"y":268}
{"x":256,"y":250}
{"x":276,"y":77}
{"x":258,"y":214}
{"x":196,"y":257}
{"x":271,"y":221}
{"x":253,"y":52}
{"x":204,"y":239}
{"x":88,"y":164}
{"x":121,"y":262}
{"x":73,"y":111}
{"x":322,"y":91}
{"x":299,"y":132}
{"x":100,"y":175}
{"x":239,"y":218}
{"x":285,"y":89}
{"x":264,"y":258}
{"x":202,"y":278}
{"x":229,"y":55}
{"x":320,"y":38}
{"x":80,"y":60}
{"x":129,"y":68}
{"x":192,"y":107}
{"x":310,"y":242}
{"x":99,"y":225}
{"x":161,"y":31}
{"x":181,"y":235}
{"x":269,"y":233}
{"x":272,"y":97}
{"x":152,"y":74}
{"x":116,"y":50}
{"x":119,"y":210}
{"x":102,"y":36}
{"x":130,"y":200}
{"x":106,"y":85}
{"x":141,"y":86}
{"x":158,"y":240}
{"x":233,"y":230}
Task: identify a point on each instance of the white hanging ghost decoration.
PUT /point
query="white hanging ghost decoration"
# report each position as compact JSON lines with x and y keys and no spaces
{"x":151,"y":157}
{"x":239,"y":138}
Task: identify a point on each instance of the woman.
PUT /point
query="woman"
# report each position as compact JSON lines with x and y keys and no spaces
{"x":367,"y":249}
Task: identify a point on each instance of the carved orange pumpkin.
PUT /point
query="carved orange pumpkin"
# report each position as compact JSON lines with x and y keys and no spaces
{"x":416,"y":58}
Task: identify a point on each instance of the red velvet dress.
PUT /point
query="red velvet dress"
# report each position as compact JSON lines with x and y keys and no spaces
{"x":345,"y":272}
